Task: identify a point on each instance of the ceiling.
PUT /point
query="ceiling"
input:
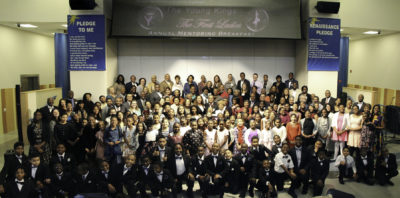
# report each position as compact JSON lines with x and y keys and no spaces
{"x":44,"y":28}
{"x":357,"y":33}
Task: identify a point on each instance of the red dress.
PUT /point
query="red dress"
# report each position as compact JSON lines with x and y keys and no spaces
{"x":292,"y":130}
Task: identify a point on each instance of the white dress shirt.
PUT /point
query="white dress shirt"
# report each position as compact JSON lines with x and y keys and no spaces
{"x":282,"y":159}
{"x":281,"y":132}
{"x":159,"y":176}
{"x":19,"y":185}
{"x":126,"y":169}
{"x":33,"y":171}
{"x":350,"y":163}
{"x":364,"y":160}
{"x":215,"y":158}
{"x":298,"y":155}
{"x":180,"y":165}
{"x":19,"y":157}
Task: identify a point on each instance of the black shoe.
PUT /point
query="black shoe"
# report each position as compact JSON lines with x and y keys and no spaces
{"x":390,"y":183}
{"x":251,"y":193}
{"x":341,"y":181}
{"x":304,"y":191}
{"x":242,"y":194}
{"x":293,"y":194}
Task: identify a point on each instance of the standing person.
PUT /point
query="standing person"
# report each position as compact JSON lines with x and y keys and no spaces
{"x":87,"y":100}
{"x":230,"y":83}
{"x":323,"y":127}
{"x":131,"y":138}
{"x":231,"y":174}
{"x":279,"y":85}
{"x":367,"y":132}
{"x":284,"y":169}
{"x":289,"y":83}
{"x":377,"y":121}
{"x":112,"y":138}
{"x":346,"y":165}
{"x":356,"y":122}
{"x":167,"y":83}
{"x":386,"y":167}
{"x":361,"y":104}
{"x":199,"y":170}
{"x":188,"y":84}
{"x":20,"y":187}
{"x":301,"y":161}
{"x":125,"y":175}
{"x":340,"y":123}
{"x":279,"y":129}
{"x":241,"y":82}
{"x":246,"y":163}
{"x":47,"y":109}
{"x":64,"y":132}
{"x":319,"y":168}
{"x":130,"y":84}
{"x":216,"y":168}
{"x":251,"y":132}
{"x":152,"y":84}
{"x":193,"y":139}
{"x":100,"y":141}
{"x":267,"y":136}
{"x":293,"y":129}
{"x":239,"y":131}
{"x":88,"y":140}
{"x":209,"y":136}
{"x":308,"y":129}
{"x":328,"y":99}
{"x":267,"y":180}
{"x":38,"y":136}
{"x":202,"y":84}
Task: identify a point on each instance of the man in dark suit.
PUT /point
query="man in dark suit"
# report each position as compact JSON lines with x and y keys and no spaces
{"x":46,"y":110}
{"x":67,"y":160}
{"x":365,"y":166}
{"x":210,"y":103}
{"x":141,"y":101}
{"x":361,"y":104}
{"x":129,"y":85}
{"x":118,"y":104}
{"x":125,"y":175}
{"x":71,"y":99}
{"x":11,"y":164}
{"x":386,"y":167}
{"x":216,"y":168}
{"x":198,"y":169}
{"x":161,"y":180}
{"x":86,"y":180}
{"x":179,"y":165}
{"x":20,"y":187}
{"x":319,"y":168}
{"x":61,"y":182}
{"x":301,"y":161}
{"x":127,"y":104}
{"x":247,"y":170}
{"x":156,"y":95}
{"x":242,"y":81}
{"x":266,"y":180}
{"x":290,"y":81}
{"x":253,"y":100}
{"x":328,"y":99}
{"x":39,"y":174}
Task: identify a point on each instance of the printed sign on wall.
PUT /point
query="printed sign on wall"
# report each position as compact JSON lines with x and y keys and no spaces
{"x":86,"y":42}
{"x":323,"y":44}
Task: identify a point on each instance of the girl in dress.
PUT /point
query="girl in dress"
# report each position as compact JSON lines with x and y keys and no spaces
{"x":340,"y":123}
{"x":323,"y":125}
{"x":222,"y":136}
{"x":293,"y":129}
{"x":164,"y":130}
{"x":356,"y":122}
{"x":176,"y":136}
{"x":150,"y":140}
{"x":266,"y":136}
{"x":251,"y":132}
{"x":209,"y":136}
{"x":377,"y":121}
{"x":100,"y":143}
{"x":367,"y":133}
{"x":131,"y":141}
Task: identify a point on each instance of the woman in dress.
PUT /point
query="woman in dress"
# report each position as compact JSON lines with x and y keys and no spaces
{"x":176,"y":136}
{"x":293,"y":129}
{"x":141,"y":86}
{"x":340,"y":122}
{"x":222,"y":136}
{"x":367,"y":132}
{"x":38,"y":136}
{"x":267,"y":136}
{"x":209,"y":136}
{"x":377,"y":121}
{"x":323,"y":126}
{"x":55,"y":118}
{"x":100,"y":142}
{"x":131,"y":141}
{"x":356,"y":122}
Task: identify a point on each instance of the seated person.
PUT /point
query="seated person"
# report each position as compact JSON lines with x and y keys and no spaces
{"x":86,"y":180}
{"x":284,"y":169}
{"x":144,"y":172}
{"x":61,"y":182}
{"x":346,"y":165}
{"x":20,"y":187}
{"x":198,"y":169}
{"x":319,"y":170}
{"x":365,"y":166}
{"x":125,"y":175}
{"x":161,"y":180}
{"x":66,"y":159}
{"x":38,"y":173}
{"x":231,"y":184}
{"x":246,"y":166}
{"x":386,"y":167}
{"x":266,"y":180}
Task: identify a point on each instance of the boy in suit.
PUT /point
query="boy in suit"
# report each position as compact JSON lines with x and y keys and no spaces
{"x":231,"y":184}
{"x":365,"y":166}
{"x":284,"y":169}
{"x":86,"y":180}
{"x":125,"y":175}
{"x":161,"y":180}
{"x":39,"y":174}
{"x":11,"y":164}
{"x":161,"y":151}
{"x":60,"y":185}
{"x":266,"y":180}
{"x":319,"y":168}
{"x":246,"y":166}
{"x":301,"y":160}
{"x":216,"y":168}
{"x":179,"y":165}
{"x":106,"y":184}
{"x":277,"y":147}
{"x":198,"y":169}
{"x":145,"y":175}
{"x":386,"y":167}
{"x":260,"y":152}
{"x":61,"y":156}
{"x":20,"y":187}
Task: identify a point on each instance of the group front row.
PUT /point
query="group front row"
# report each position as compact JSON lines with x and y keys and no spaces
{"x":164,"y":171}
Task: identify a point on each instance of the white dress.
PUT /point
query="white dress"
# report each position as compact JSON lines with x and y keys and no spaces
{"x":220,"y":138}
{"x":209,"y":140}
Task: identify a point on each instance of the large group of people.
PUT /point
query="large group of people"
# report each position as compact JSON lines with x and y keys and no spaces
{"x":229,"y":137}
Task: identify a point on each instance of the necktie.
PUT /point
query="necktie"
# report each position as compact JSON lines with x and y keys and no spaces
{"x":61,"y":158}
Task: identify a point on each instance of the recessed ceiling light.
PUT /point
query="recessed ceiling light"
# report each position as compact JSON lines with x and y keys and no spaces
{"x":64,"y":25}
{"x":372,"y":32}
{"x":27,"y":26}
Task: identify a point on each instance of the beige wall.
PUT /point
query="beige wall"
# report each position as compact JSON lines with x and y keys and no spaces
{"x":375,"y":62}
{"x":23,"y":52}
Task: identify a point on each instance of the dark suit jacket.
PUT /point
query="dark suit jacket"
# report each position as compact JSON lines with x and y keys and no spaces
{"x":239,"y":85}
{"x":211,"y":169}
{"x":331,"y":102}
{"x":232,"y":170}
{"x":89,"y":185}
{"x":370,"y":164}
{"x":68,"y":163}
{"x":143,"y":178}
{"x":362,"y":106}
{"x":305,"y":159}
{"x":291,"y":85}
{"x":197,"y":168}
{"x":27,"y":191}
{"x":140,"y":105}
{"x":46,"y":113}
{"x":154,"y":98}
{"x":260,"y":154}
{"x":41,"y":174}
{"x":275,"y":150}
{"x":166,"y":183}
{"x":128,"y":86}
{"x":249,"y":164}
{"x":392,"y":164}
{"x":168,"y":153}
{"x":63,"y":184}
{"x":318,"y":171}
{"x":264,"y":177}
{"x":10,"y":167}
{"x":171,"y":164}
{"x":118,"y":179}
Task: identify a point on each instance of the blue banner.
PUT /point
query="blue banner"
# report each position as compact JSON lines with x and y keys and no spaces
{"x":323,"y":44}
{"x":86,"y":42}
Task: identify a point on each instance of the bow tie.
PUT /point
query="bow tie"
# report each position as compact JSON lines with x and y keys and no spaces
{"x":106,"y":172}
{"x":127,"y":169}
{"x":60,"y":175}
{"x":159,"y":174}
{"x":145,"y":168}
{"x":215,"y":156}
{"x":22,"y":183}
{"x":161,"y":149}
{"x":285,"y":156}
{"x":178,"y":157}
{"x":364,"y":158}
{"x":298,"y":149}
{"x":244,"y":156}
{"x":19,"y":157}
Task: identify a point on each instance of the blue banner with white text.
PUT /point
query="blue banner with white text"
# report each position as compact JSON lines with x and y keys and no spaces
{"x":86,"y":42}
{"x":323,"y":44}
